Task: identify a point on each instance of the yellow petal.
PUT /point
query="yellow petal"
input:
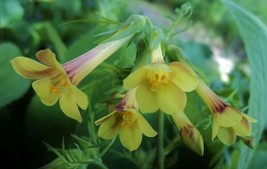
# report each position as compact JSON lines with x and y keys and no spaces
{"x":250,"y":119}
{"x":48,"y":57}
{"x":243,"y":128}
{"x":110,"y":126}
{"x":215,"y":127}
{"x":229,"y":117}
{"x":146,"y":99}
{"x":134,"y":78}
{"x":42,"y":89}
{"x":191,"y":137}
{"x":145,"y":127}
{"x":226,"y":135}
{"x":158,"y":67}
{"x":102,"y":119}
{"x":31,"y":69}
{"x":171,"y":99}
{"x":184,"y":77}
{"x":131,"y":137}
{"x":81,"y":97}
{"x":69,"y":107}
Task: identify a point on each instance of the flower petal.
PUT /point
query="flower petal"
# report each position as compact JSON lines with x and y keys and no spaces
{"x":226,"y":135}
{"x":191,"y":137}
{"x":110,"y":126}
{"x":102,"y":119}
{"x":81,"y":97}
{"x":145,"y":127}
{"x":171,"y":99}
{"x":131,"y":137}
{"x":42,"y":88}
{"x":31,"y":69}
{"x":184,"y":77}
{"x":134,"y":78}
{"x":146,"y":99}
{"x":48,"y":57}
{"x":229,"y":117}
{"x":69,"y":107}
{"x":215,"y":127}
{"x":243,"y":128}
{"x":158,"y":67}
{"x":250,"y":119}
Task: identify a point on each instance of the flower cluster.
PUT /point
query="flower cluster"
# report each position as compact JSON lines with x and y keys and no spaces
{"x":152,"y":86}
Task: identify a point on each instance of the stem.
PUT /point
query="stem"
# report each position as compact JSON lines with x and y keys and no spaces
{"x":160,"y":150}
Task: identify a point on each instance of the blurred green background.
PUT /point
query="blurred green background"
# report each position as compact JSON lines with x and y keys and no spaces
{"x":68,"y":27}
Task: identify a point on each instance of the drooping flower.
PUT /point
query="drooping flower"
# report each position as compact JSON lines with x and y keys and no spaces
{"x":58,"y":82}
{"x":161,"y":86}
{"x":189,"y":133}
{"x":228,"y":122}
{"x":126,"y":122}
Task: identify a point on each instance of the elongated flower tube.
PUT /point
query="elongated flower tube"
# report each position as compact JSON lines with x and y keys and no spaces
{"x":58,"y":82}
{"x":79,"y":67}
{"x":161,"y":86}
{"x":228,"y":122}
{"x":126,"y":122}
{"x":189,"y":133}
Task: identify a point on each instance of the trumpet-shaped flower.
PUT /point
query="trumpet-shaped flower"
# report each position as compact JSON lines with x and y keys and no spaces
{"x":58,"y":82}
{"x":126,"y":122}
{"x":228,"y":122}
{"x":189,"y":133}
{"x":161,"y":86}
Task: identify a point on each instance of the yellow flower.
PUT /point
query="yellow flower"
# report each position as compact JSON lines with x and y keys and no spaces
{"x":58,"y":82}
{"x":53,"y":83}
{"x":228,"y":122}
{"x":126,"y":122}
{"x":161,"y":86}
{"x":189,"y":133}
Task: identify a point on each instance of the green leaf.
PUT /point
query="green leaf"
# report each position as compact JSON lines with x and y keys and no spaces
{"x":134,"y":24}
{"x":45,"y":124}
{"x":254,"y":35}
{"x":48,"y":32}
{"x":10,"y":12}
{"x":12,"y":85}
{"x":79,"y":47}
{"x":259,"y":158}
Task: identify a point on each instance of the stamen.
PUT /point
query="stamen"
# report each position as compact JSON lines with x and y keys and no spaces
{"x":63,"y":82}
{"x":158,"y":78}
{"x":54,"y":89}
{"x":59,"y":83}
{"x":128,"y":119}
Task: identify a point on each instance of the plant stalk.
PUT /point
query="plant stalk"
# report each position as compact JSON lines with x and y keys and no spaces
{"x":160,"y":150}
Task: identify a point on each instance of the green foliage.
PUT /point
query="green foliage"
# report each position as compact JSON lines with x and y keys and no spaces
{"x":254,"y":34}
{"x":11,"y":12}
{"x":12,"y":85}
{"x":72,"y":28}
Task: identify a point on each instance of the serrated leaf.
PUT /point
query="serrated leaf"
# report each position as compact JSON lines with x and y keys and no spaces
{"x":254,"y":35}
{"x":12,"y":85}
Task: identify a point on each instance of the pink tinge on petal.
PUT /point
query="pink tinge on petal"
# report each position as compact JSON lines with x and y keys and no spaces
{"x":214,"y":103}
{"x":79,"y":67}
{"x":46,"y":57}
